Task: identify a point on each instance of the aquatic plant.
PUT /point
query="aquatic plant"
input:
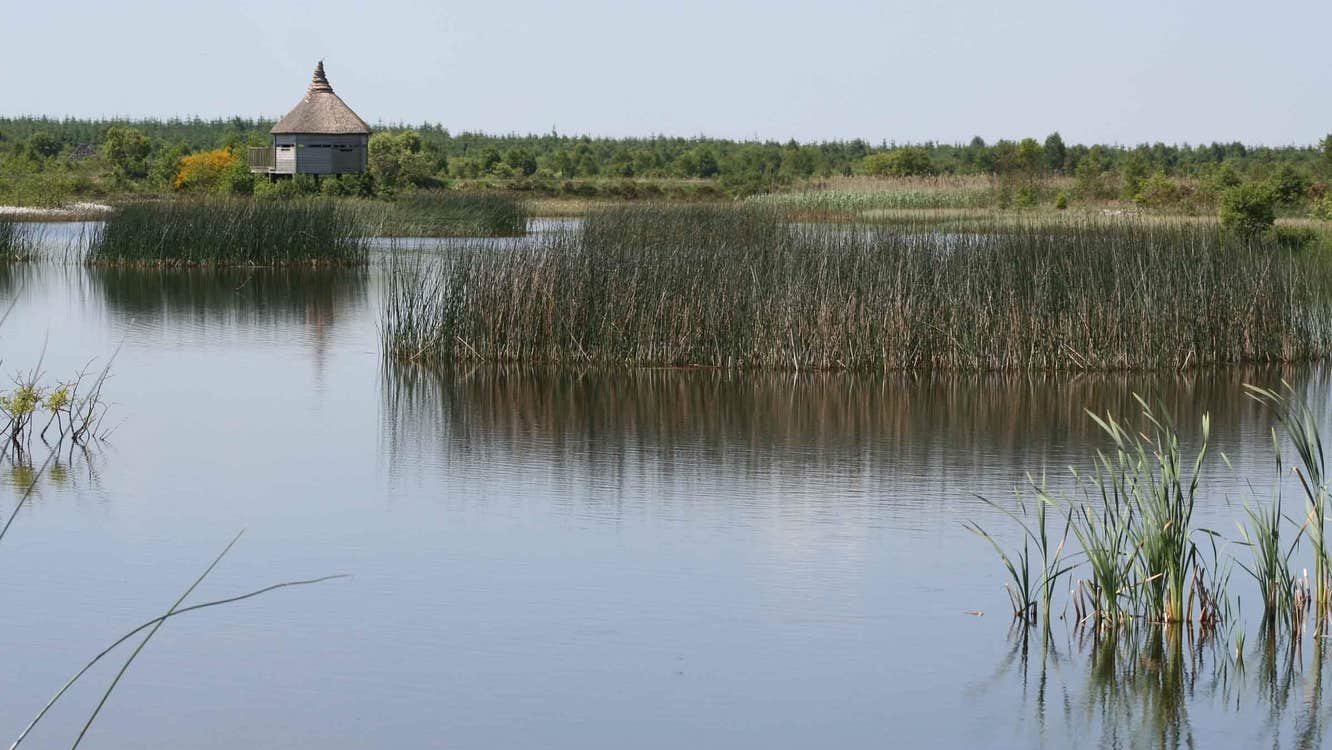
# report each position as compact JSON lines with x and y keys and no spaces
{"x":734,"y":287}
{"x":1024,"y":588}
{"x":829,"y":203}
{"x":1302,"y":428}
{"x":16,"y":240}
{"x":73,"y":413}
{"x":1146,"y":559}
{"x":1270,"y":566}
{"x":450,"y":213}
{"x":230,"y":232}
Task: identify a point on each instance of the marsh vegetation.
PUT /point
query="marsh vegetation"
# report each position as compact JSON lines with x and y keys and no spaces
{"x":1124,"y":548}
{"x":17,"y":240}
{"x":230,"y":232}
{"x":701,"y":286}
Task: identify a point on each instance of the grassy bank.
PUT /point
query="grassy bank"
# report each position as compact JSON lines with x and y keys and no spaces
{"x":727,"y":287}
{"x":230,"y":232}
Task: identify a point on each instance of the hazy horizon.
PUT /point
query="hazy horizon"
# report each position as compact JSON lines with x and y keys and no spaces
{"x":1190,"y":72}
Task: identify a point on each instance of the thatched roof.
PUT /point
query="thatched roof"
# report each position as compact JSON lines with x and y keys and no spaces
{"x":321,"y":111}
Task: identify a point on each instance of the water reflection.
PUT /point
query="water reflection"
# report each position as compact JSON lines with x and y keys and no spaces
{"x":227,"y":296}
{"x":223,"y":304}
{"x":901,"y":425}
{"x":1141,"y":686}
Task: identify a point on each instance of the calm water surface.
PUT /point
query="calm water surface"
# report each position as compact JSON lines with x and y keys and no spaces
{"x":650,"y":559}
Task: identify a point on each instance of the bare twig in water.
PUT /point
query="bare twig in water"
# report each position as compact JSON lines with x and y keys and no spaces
{"x":175,"y":611}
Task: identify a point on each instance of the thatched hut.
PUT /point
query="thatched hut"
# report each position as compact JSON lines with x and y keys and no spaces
{"x":320,"y":136}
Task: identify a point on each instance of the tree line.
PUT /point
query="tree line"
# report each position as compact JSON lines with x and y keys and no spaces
{"x":86,"y":156}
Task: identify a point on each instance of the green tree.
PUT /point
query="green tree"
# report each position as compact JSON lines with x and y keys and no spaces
{"x":1055,"y":152}
{"x":699,"y":161}
{"x":1289,"y":186}
{"x":1134,"y":172}
{"x":43,"y":145}
{"x":521,"y":160}
{"x":1248,"y":209}
{"x":1091,"y":174}
{"x":396,"y":160}
{"x":489,"y":159}
{"x":1030,"y":158}
{"x":901,"y":162}
{"x":126,"y":150}
{"x":165,"y":164}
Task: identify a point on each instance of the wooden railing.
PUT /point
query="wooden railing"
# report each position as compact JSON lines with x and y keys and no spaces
{"x":261,"y":159}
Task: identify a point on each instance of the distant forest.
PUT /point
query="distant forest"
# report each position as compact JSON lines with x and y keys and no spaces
{"x":44,"y":155}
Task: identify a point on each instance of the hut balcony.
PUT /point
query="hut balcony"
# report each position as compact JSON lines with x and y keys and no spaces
{"x":262,"y":159}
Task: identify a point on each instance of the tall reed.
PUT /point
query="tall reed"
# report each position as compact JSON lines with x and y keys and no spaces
{"x":1302,"y":427}
{"x":17,"y":240}
{"x":1031,"y":594}
{"x":736,"y":287}
{"x":230,"y":232}
{"x":449,"y":213}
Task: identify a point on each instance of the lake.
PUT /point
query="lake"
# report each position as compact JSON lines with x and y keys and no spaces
{"x":573,"y":559}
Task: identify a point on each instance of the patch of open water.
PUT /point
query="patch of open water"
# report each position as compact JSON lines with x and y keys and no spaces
{"x":569,"y":559}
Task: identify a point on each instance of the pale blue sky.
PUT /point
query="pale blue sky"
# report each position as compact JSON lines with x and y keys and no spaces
{"x":1124,"y":72}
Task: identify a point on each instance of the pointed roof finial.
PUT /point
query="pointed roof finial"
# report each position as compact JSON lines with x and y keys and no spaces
{"x":320,"y":82}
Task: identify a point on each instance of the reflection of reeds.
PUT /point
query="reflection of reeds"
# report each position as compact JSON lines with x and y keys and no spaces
{"x":736,"y":288}
{"x":904,"y":425}
{"x":261,"y":295}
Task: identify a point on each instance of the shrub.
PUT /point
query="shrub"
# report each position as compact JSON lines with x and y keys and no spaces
{"x":1027,"y":196}
{"x":205,"y":171}
{"x":127,"y":149}
{"x":1322,"y":208}
{"x":237,"y":180}
{"x":1216,"y":180}
{"x":1061,"y":201}
{"x":1289,"y":187}
{"x":277,"y":189}
{"x":1295,"y":238}
{"x":1248,"y":209}
{"x":1159,"y":191}
{"x":902,"y":162}
{"x":396,"y":160}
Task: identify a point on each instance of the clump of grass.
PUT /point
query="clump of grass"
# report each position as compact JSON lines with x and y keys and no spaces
{"x":17,"y":240}
{"x":736,"y":287}
{"x":448,"y":213}
{"x":1147,"y":560}
{"x":205,"y":232}
{"x":1270,"y":565}
{"x":1031,"y":593}
{"x":1302,"y":427}
{"x":1135,"y":526}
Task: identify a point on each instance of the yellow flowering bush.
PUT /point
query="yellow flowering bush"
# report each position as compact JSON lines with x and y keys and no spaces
{"x":205,"y":170}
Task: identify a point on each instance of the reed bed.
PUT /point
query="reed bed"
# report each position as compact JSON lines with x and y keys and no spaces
{"x":728,"y":287}
{"x":852,"y":202}
{"x":231,"y":233}
{"x":446,"y":213}
{"x":18,"y":241}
